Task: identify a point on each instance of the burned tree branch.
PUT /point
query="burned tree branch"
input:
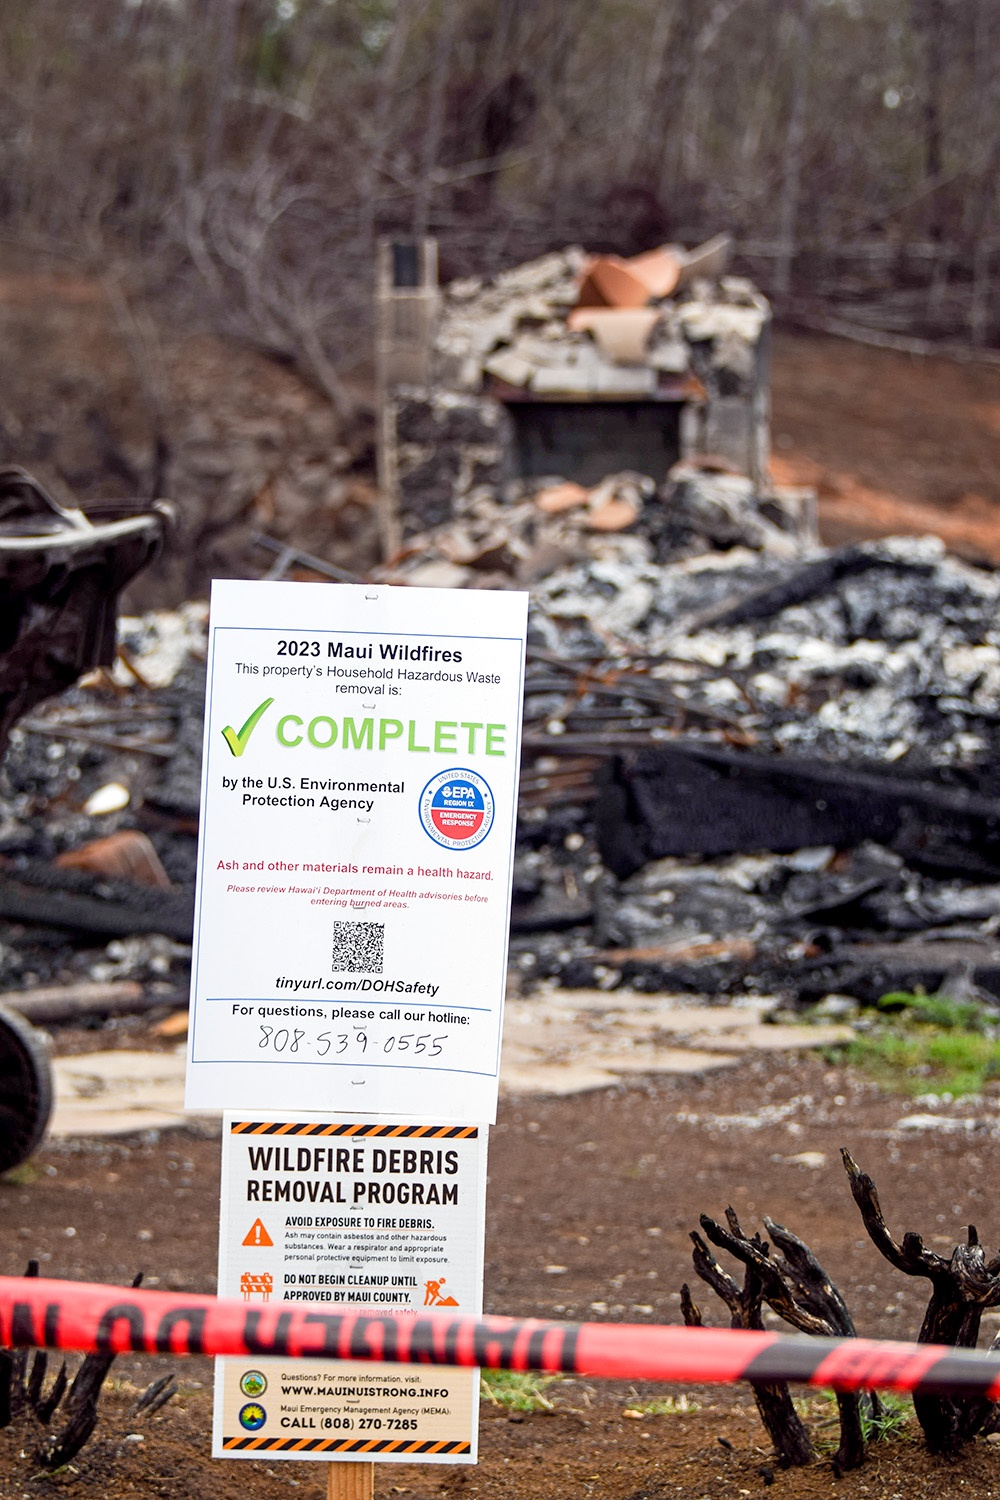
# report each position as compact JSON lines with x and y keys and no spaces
{"x":754,"y":1254}
{"x":690,"y":1311}
{"x":813,"y":1289}
{"x":962,"y":1287}
{"x":23,"y":1398}
{"x":814,"y":1292}
{"x":774,"y":1403}
{"x":798,"y":1289}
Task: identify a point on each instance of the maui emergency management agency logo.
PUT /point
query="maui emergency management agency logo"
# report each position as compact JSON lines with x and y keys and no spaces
{"x":252,"y":1416}
{"x":253,"y":1383}
{"x":456,"y":809}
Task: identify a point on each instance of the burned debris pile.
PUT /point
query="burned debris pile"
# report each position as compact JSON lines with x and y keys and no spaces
{"x":763,"y":767}
{"x":750,"y":762}
{"x":795,"y":766}
{"x":99,"y":793}
{"x":571,"y":365}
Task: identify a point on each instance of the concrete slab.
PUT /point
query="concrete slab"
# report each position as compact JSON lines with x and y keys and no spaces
{"x":118,"y":1093}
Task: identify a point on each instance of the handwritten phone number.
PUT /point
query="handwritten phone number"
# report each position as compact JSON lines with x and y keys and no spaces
{"x":295,"y":1040}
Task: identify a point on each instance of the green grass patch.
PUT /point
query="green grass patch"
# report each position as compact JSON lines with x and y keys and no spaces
{"x":22,"y":1175}
{"x":920,"y":1044}
{"x":516,"y":1390}
{"x":893,"y":1414}
{"x":665,"y":1406}
{"x":820,"y":1414}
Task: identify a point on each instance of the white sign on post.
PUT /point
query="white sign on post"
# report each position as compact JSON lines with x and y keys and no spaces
{"x":359,"y":791}
{"x":344,"y":1214}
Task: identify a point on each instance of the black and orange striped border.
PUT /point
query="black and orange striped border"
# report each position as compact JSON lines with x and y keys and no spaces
{"x":366,"y":1132}
{"x":360,"y":1446}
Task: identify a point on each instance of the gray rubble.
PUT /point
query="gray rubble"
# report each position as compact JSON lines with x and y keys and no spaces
{"x":686,"y":372}
{"x":515,"y":328}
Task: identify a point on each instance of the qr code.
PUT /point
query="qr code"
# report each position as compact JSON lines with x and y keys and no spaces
{"x":357,"y":946}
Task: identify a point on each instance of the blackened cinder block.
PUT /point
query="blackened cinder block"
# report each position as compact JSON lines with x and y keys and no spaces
{"x":427,"y":492}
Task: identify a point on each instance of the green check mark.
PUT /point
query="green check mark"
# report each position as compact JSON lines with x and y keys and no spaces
{"x":238,"y":741}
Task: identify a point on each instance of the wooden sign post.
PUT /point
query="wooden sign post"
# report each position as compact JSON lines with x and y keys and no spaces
{"x":350,"y":1482}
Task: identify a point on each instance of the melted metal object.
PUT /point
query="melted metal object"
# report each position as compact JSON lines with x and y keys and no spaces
{"x":61,"y":573}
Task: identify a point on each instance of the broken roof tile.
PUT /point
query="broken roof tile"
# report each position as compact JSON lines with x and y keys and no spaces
{"x":660,"y":269}
{"x":608,"y":282}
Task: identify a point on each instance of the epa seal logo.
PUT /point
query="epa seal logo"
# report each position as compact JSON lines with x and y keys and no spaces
{"x":456,"y":809}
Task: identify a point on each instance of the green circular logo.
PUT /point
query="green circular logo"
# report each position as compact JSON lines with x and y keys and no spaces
{"x":253,"y":1383}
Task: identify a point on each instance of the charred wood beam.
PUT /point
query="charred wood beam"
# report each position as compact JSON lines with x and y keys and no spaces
{"x":54,"y":1005}
{"x":813,"y":578}
{"x":145,"y":910}
{"x":696,"y":798}
{"x":869,"y":970}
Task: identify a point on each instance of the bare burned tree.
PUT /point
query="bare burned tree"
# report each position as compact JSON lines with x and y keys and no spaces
{"x":963,"y":1286}
{"x":24,"y":1400}
{"x":796,"y":1287}
{"x":785,"y":1427}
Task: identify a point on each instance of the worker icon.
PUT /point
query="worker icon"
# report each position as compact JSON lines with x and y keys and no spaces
{"x":433,"y":1297}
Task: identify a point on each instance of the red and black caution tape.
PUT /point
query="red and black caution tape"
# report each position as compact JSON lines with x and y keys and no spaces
{"x":80,"y":1315}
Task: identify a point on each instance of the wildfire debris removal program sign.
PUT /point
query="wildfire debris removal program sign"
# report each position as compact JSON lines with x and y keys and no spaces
{"x":349,"y":1214}
{"x":359,"y":790}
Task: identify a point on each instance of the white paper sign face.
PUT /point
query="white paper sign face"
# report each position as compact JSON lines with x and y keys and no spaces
{"x":350,"y":1215}
{"x":357,"y":826}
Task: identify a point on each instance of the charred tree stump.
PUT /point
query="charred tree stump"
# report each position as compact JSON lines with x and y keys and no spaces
{"x":804,"y":1297}
{"x":814,"y":1293}
{"x":962,"y":1287}
{"x":23,"y":1397}
{"x":784,"y":1426}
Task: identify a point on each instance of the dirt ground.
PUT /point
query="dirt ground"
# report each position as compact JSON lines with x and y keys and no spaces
{"x":894,"y":443}
{"x":591,"y":1201}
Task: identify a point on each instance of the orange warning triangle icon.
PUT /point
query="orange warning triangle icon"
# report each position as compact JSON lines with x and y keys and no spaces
{"x":258,"y":1235}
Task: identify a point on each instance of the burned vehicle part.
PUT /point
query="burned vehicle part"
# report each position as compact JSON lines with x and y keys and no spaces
{"x":25,"y":1089}
{"x":61,"y":575}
